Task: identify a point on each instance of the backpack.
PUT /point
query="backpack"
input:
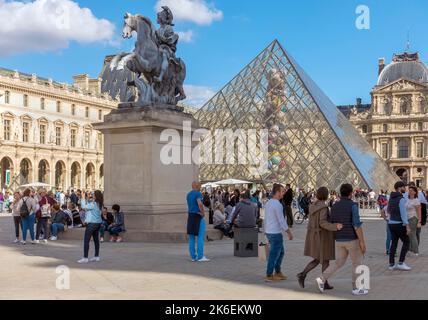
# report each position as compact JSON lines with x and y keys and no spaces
{"x":24,"y":212}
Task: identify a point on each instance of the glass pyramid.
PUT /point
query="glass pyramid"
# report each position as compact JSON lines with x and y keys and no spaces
{"x":310,"y":142}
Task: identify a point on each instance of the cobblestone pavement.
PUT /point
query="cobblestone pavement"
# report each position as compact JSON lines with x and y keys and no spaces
{"x":163,"y":271}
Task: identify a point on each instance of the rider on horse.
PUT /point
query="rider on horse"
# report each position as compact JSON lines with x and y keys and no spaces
{"x":167,"y":40}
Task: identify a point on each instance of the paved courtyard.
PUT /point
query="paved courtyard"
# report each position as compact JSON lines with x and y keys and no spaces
{"x":163,"y":271}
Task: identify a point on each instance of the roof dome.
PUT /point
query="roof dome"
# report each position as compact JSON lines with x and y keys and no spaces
{"x":404,"y":66}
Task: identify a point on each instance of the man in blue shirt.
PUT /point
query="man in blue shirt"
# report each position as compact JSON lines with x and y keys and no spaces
{"x":196,"y":223}
{"x":399,"y":226}
{"x":349,"y":240}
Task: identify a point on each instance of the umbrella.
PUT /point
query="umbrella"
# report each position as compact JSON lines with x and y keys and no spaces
{"x":232,"y":182}
{"x":36,"y":185}
{"x":210,"y":185}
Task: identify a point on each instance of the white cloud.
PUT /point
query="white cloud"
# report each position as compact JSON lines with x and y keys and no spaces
{"x":47,"y":25}
{"x":197,"y":96}
{"x":186,"y":36}
{"x":197,"y":11}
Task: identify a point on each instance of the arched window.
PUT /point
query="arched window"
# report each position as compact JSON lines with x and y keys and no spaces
{"x":403,"y":148}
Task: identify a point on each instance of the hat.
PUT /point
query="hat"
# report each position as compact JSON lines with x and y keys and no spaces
{"x":399,"y":184}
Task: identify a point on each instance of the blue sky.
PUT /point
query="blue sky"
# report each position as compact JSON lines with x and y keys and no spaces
{"x":321,"y":35}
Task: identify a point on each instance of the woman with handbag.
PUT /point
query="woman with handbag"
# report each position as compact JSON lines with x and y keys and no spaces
{"x":319,"y":243}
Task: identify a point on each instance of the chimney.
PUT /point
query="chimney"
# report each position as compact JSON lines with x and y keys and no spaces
{"x":381,"y":65}
{"x":81,"y":81}
{"x":359,"y":102}
{"x":95,"y":86}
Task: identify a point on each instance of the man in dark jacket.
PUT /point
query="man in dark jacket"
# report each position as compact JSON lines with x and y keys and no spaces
{"x":287,"y":201}
{"x":245,"y":215}
{"x":399,"y":226}
{"x":349,"y":240}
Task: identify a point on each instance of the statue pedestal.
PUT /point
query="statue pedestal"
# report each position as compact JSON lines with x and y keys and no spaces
{"x":151,"y":194}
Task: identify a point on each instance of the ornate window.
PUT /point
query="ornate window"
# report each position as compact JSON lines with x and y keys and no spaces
{"x":42,"y":103}
{"x":365,"y":129}
{"x":100,"y":114}
{"x":42,"y":130}
{"x":403,"y":149}
{"x":419,"y":149}
{"x":87,"y":139}
{"x":58,"y":106}
{"x":420,"y":126}
{"x":73,"y":135}
{"x":7,"y":127}
{"x":25,"y":131}
{"x":385,"y":151}
{"x":385,"y":128}
{"x":25,"y":100}
{"x":73,"y":109}
{"x":87,"y":112}
{"x":7,"y":97}
{"x":58,"y":136}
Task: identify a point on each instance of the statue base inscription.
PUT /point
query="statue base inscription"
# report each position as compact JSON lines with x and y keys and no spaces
{"x":151,"y":194}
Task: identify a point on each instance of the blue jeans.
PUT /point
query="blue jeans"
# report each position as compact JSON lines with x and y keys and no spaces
{"x":276,"y":255}
{"x":388,"y":238}
{"x":55,"y":227}
{"x":115,"y":231}
{"x":28,"y":224}
{"x":103,"y":228}
{"x":201,"y":239}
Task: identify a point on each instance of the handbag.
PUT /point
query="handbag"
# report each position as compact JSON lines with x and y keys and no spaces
{"x":264,"y":251}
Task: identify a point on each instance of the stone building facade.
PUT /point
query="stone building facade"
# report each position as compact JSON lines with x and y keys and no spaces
{"x":46,"y":132}
{"x":396,"y":124}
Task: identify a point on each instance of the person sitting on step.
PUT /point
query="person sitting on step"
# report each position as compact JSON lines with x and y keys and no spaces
{"x":118,"y":226}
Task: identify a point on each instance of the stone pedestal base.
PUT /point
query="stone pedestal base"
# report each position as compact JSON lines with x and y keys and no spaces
{"x":151,"y":194}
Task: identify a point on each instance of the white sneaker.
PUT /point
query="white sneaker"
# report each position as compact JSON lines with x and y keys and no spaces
{"x":320,"y":285}
{"x":83,"y":261}
{"x":37,"y":241}
{"x":34,"y":242}
{"x":95,"y":259}
{"x":360,"y":292}
{"x":403,"y":267}
{"x":204,"y":259}
{"x":16,"y":241}
{"x":53,"y":238}
{"x":392,"y":268}
{"x":45,"y":240}
{"x":23,"y":242}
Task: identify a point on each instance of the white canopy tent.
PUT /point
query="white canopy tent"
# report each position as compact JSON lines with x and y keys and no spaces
{"x":210,"y":185}
{"x":232,"y":182}
{"x":36,"y":185}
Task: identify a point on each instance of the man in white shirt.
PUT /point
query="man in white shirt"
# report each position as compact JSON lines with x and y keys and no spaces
{"x":275,"y":225}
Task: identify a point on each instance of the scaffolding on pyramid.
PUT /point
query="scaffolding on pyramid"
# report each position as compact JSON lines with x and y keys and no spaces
{"x":310,"y":142}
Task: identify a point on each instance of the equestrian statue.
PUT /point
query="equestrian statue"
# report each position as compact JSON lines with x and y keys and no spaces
{"x":151,"y":74}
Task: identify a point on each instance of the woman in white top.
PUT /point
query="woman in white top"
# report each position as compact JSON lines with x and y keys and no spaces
{"x":413,"y":208}
{"x":28,"y":221}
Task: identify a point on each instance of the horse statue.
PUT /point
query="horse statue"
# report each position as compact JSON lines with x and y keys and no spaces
{"x":145,"y":69}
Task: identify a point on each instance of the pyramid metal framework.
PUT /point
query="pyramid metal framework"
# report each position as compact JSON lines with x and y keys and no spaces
{"x":311,"y":143}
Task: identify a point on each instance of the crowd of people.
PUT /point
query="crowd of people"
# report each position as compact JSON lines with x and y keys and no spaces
{"x":334,"y":232}
{"x":44,"y":214}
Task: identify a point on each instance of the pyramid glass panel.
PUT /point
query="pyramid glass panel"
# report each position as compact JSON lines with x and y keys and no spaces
{"x":310,"y":143}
